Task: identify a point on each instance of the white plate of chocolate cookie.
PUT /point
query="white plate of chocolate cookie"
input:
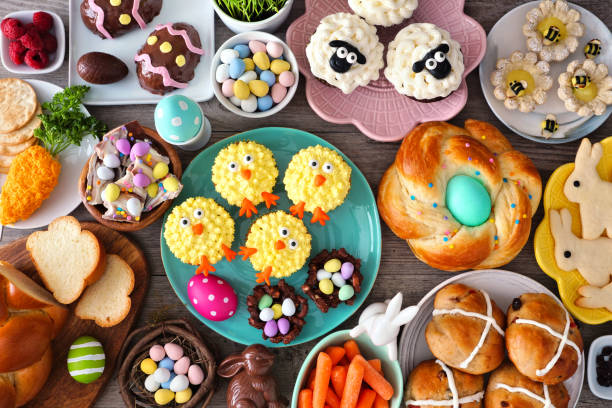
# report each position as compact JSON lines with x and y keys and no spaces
{"x":137,"y":51}
{"x":494,"y":336}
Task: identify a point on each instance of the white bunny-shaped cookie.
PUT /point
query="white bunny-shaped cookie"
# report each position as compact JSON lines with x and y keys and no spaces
{"x":594,"y":195}
{"x":594,"y":297}
{"x":382,"y":322}
{"x":590,"y":256}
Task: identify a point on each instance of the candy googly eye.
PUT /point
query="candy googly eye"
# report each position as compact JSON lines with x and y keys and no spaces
{"x":576,"y":183}
{"x":198,"y":213}
{"x":184,"y":222}
{"x":293,"y":244}
{"x":341,"y":52}
{"x":431,"y":64}
{"x":233,"y":166}
{"x":328,"y":167}
{"x":351,"y":58}
{"x":439,"y":56}
{"x":283,"y":232}
{"x":247,"y":159}
{"x":313,"y":163}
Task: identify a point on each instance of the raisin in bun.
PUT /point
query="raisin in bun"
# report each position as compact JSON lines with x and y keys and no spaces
{"x":466,"y":330}
{"x":509,"y":388}
{"x":433,"y":382}
{"x":537,"y":325}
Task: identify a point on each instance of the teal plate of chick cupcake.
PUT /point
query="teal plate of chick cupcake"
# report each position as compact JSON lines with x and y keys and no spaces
{"x":333,"y":201}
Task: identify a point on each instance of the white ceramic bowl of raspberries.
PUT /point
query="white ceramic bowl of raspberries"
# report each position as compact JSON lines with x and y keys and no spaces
{"x":280,"y":86}
{"x":33,"y":42}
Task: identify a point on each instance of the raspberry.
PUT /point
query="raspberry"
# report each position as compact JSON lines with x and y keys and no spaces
{"x":36,"y":59}
{"x":16,"y":52}
{"x":49,"y":42}
{"x":42,"y":21}
{"x":12,"y":28}
{"x":31,"y":41}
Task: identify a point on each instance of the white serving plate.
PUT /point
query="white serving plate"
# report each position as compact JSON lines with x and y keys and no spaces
{"x":198,"y":13}
{"x":65,"y":197}
{"x":502,"y":286}
{"x":505,"y":37}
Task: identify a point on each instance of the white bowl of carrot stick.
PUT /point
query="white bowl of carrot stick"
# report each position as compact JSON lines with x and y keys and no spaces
{"x":342,"y":372}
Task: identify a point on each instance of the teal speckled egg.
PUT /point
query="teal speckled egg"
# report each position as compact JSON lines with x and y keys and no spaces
{"x":468,"y":200}
{"x":178,"y":119}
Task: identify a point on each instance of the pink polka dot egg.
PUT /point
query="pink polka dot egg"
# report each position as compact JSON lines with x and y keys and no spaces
{"x":212,"y":297}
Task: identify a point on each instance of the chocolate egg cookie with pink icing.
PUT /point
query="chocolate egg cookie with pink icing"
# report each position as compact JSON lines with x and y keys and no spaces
{"x":168,"y":59}
{"x":112,"y":18}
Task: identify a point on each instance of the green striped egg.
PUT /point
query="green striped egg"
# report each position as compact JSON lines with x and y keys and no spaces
{"x":86,"y":360}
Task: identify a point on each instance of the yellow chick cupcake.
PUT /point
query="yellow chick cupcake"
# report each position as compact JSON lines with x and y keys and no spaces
{"x":317,"y":180}
{"x":244,"y":173}
{"x":277,"y":245}
{"x":200,"y":232}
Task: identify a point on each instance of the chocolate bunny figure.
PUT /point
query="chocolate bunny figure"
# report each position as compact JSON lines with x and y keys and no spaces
{"x":251,"y":386}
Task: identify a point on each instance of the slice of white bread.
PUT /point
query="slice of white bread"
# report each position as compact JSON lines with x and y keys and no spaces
{"x":107,"y":301}
{"x":66,"y":258}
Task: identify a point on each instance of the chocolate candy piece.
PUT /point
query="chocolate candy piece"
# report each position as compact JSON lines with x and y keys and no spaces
{"x":101,"y":68}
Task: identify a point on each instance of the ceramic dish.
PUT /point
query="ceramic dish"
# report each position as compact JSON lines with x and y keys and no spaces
{"x":377,"y":109}
{"x":504,"y":38}
{"x":544,"y":244}
{"x":244,"y":38}
{"x":596,"y":347}
{"x":391,"y":369}
{"x":354,"y":225}
{"x":128,"y":91}
{"x":55,"y":60}
{"x":502,"y":286}
{"x":65,"y":196}
{"x":269,"y":25}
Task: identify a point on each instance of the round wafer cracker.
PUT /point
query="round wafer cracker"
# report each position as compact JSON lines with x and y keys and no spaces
{"x":17,"y":104}
{"x":12,"y":150}
{"x":22,"y":134}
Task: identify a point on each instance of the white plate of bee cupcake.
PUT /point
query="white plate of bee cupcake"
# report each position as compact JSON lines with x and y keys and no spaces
{"x":275,"y":238}
{"x":136,"y":51}
{"x":498,"y":325}
{"x":546,"y":71}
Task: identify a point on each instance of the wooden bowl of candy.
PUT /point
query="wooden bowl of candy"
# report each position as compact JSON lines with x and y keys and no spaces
{"x":166,"y":364}
{"x":131,"y":178}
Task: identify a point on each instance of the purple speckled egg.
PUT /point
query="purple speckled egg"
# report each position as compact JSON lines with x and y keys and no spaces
{"x":346,"y":270}
{"x":212,"y":297}
{"x":139,"y":150}
{"x":124,"y":147}
{"x":283,"y":325}
{"x":141,"y":180}
{"x":271,"y":328}
{"x":182,"y":365}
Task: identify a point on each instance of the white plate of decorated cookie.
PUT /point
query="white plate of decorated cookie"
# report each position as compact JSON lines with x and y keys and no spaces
{"x":134,"y":51}
{"x":519,"y":53}
{"x":471,"y":337}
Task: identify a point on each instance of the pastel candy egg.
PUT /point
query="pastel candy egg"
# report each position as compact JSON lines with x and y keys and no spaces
{"x":346,"y":292}
{"x":264,"y":301}
{"x":171,"y":184}
{"x":141,"y":180}
{"x":264,"y":103}
{"x":261,"y":60}
{"x":235,"y":100}
{"x":111,"y":192}
{"x":139,"y":150}
{"x":266,"y":314}
{"x":195,"y":374}
{"x":468,"y":200}
{"x":274,"y":48}
{"x":163,"y":397}
{"x":222,"y":72}
{"x":157,"y":353}
{"x":286,"y":78}
{"x":271,"y":328}
{"x":283,"y":326}
{"x":257,"y":46}
{"x":212,"y":297}
{"x":241,"y":90}
{"x":268,"y":77}
{"x":338,"y":280}
{"x":123,"y":145}
{"x":179,"y":383}
{"x":134,"y":206}
{"x":182,"y":397}
{"x":167,"y":363}
{"x":326,"y":286}
{"x":259,"y":88}
{"x":152,"y":189}
{"x":278,"y":311}
{"x":278,"y":65}
{"x":161,"y":375}
{"x":182,"y":365}
{"x":178,"y":119}
{"x":236,"y":68}
{"x":248,"y":76}
{"x":278,"y":92}
{"x":227,"y":89}
{"x":333,"y":265}
{"x":104,"y":173}
{"x":249,"y":104}
{"x":346,"y":270}
{"x":148,"y":366}
{"x":86,"y":359}
{"x":249,"y":65}
{"x":174,"y":351}
{"x":243,"y":50}
{"x":288,"y":307}
{"x":150,"y":384}
{"x":227,"y":55}
{"x":323,"y":274}
{"x":166,"y":384}
{"x":160,"y":170}
{"x":112,"y":161}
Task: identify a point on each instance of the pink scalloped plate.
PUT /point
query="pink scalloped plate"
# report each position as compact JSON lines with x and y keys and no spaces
{"x":377,"y":109}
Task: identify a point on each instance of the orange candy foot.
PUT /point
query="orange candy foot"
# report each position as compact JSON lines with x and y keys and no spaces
{"x":205,"y":267}
{"x":269,"y":198}
{"x":247,"y":208}
{"x":298,"y":209}
{"x":319,"y":216}
{"x":264,"y":276}
{"x":246,"y":252}
{"x":229,"y":254}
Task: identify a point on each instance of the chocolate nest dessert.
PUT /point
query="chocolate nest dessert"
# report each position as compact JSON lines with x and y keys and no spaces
{"x":278,"y":311}
{"x":112,"y":18}
{"x":333,"y":277}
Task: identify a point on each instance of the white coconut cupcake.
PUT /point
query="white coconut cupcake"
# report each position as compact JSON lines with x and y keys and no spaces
{"x":424,"y":62}
{"x":345,"y":52}
{"x":384,"y":12}
{"x":585,"y":88}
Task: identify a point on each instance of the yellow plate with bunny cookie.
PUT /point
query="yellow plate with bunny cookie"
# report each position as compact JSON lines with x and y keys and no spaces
{"x":563,"y":222}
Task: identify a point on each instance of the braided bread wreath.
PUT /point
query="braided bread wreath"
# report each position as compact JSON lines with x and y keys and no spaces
{"x":412,"y":197}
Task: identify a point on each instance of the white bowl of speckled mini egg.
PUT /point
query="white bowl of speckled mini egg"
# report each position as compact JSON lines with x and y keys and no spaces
{"x":230,"y":65}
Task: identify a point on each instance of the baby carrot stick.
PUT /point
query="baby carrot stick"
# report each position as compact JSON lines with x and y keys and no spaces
{"x":354,"y":378}
{"x":380,"y":402}
{"x":374,"y":379}
{"x":336,"y":353}
{"x":305,"y":399}
{"x":352,"y":349}
{"x":338,"y":378}
{"x":321,"y":383}
{"x":311,"y":379}
{"x":376,"y":364}
{"x":332,"y":399}
{"x":366,"y":399}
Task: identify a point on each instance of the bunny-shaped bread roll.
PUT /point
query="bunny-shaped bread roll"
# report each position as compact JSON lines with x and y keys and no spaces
{"x":594,"y":297}
{"x":594,"y":195}
{"x":585,"y":255}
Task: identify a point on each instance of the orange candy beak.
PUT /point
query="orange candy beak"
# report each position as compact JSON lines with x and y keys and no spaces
{"x":197,"y":229}
{"x":245,"y":173}
{"x":279,"y":245}
{"x":319,"y":180}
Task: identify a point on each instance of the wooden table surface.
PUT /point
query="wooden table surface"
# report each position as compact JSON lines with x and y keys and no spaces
{"x":399,"y":268}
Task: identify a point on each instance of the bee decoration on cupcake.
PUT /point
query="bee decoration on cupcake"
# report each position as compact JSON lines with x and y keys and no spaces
{"x":345,"y":57}
{"x":592,"y":49}
{"x":549,"y":126}
{"x":435,"y":62}
{"x":516,"y":88}
{"x":551,"y":35}
{"x":580,"y":80}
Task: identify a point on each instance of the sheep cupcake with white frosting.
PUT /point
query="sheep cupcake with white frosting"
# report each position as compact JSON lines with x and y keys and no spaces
{"x":424,"y":62}
{"x":345,"y":52}
{"x":384,"y":12}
